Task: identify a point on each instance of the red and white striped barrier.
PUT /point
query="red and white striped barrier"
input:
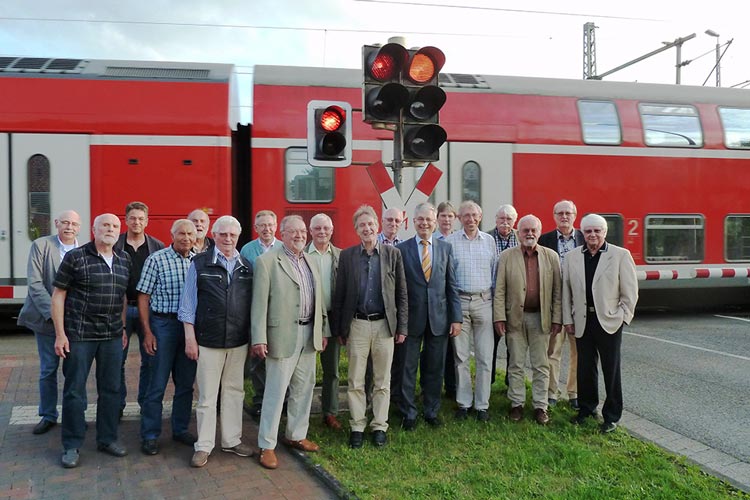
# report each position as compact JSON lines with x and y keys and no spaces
{"x":664,"y":274}
{"x":424,"y":187}
{"x":384,"y":184}
{"x":717,"y":272}
{"x":12,"y":292}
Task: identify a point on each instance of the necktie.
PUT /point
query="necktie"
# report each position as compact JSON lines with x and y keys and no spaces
{"x":426,"y":261}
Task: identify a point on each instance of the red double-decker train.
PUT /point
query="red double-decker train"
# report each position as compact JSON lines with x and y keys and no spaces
{"x":665,"y":164}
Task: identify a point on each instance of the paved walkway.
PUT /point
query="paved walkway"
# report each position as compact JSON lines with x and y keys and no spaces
{"x":30,"y":465}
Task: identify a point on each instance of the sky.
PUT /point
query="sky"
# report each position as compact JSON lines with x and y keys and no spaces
{"x":490,"y":37}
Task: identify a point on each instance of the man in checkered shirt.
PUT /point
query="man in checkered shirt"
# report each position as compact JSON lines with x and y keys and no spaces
{"x":159,"y":292}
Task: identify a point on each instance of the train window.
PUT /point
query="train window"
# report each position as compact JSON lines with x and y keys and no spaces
{"x":38,"y":182}
{"x":737,"y":238}
{"x":674,"y":238}
{"x":671,"y":125}
{"x":614,"y":228}
{"x":471,"y":173}
{"x":599,"y":122}
{"x":305,"y":183}
{"x":736,"y":123}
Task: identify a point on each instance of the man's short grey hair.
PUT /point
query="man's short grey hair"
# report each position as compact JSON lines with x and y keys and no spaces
{"x":425,"y":206}
{"x":321,"y":216}
{"x":223,"y":222}
{"x":99,"y":218}
{"x":554,"y":209}
{"x":507,"y":209}
{"x":364,"y":210}
{"x":176,"y":225}
{"x":531,"y":218}
{"x":468,"y":204}
{"x":594,"y":220}
{"x":289,"y":218}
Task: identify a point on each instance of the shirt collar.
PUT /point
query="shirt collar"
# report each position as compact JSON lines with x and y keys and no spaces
{"x":560,"y":235}
{"x":375,"y":250}
{"x":419,"y":240}
{"x":585,"y":249}
{"x":313,"y":249}
{"x":218,"y":254}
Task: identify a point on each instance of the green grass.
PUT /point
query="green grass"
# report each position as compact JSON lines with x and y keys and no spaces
{"x":505,"y":460}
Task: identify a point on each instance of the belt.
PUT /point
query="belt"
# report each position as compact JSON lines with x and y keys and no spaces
{"x":132,"y":302}
{"x":369,"y":317}
{"x":591,"y":309}
{"x":164,"y":315}
{"x":473,"y":294}
{"x":304,"y":321}
{"x":531,"y":309}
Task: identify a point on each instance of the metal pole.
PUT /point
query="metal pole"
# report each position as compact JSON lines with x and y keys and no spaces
{"x":398,"y":156}
{"x":718,"y":63}
{"x":679,"y":62}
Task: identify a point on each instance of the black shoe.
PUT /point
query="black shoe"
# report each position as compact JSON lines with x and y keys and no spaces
{"x":379,"y":438}
{"x":185,"y":438}
{"x":580,"y":419}
{"x":253,"y":410}
{"x":462,"y":414}
{"x":70,"y":458}
{"x":43,"y":426}
{"x":574,"y":404}
{"x":356,"y":438}
{"x":150,"y":447}
{"x":608,"y":427}
{"x":408,"y":424}
{"x":433,"y":421}
{"x":114,"y":448}
{"x":122,"y":412}
{"x":552,"y":401}
{"x":483,"y":416}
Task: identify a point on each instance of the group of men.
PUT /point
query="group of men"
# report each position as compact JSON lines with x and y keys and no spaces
{"x":210,"y":315}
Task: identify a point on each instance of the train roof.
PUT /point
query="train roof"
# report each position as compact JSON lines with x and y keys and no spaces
{"x":114,"y":69}
{"x":495,"y":84}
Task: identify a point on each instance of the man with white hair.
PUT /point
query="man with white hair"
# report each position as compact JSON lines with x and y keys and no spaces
{"x":600,"y":290}
{"x":88,"y":309}
{"x":216,"y":317}
{"x":391,"y":220}
{"x":203,"y":242}
{"x":527,"y":309}
{"x":564,"y":238}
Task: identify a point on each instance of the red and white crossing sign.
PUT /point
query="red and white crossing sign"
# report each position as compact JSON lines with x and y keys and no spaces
{"x":390,"y":195}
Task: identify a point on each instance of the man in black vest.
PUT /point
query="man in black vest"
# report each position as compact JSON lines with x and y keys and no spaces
{"x":215,"y":311}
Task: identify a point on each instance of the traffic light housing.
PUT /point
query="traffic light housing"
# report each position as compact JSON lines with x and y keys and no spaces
{"x":383,"y":95}
{"x":329,"y":133}
{"x":422,"y":136}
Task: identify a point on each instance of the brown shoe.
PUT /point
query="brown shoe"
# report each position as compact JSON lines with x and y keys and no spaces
{"x":516,"y":413}
{"x":303,"y":445}
{"x":200,"y":458}
{"x":332,"y":422}
{"x":541,"y":417}
{"x":268,"y":459}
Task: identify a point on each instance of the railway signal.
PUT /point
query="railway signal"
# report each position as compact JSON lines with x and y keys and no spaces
{"x":329,"y":133}
{"x":422,"y":134}
{"x":383,"y":95}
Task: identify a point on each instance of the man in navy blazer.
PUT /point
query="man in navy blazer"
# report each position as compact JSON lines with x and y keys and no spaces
{"x":434,"y":315}
{"x":562,"y":240}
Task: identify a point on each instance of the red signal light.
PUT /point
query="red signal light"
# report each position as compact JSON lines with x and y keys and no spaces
{"x":421,"y":69}
{"x":331,"y":119}
{"x":383,"y":67}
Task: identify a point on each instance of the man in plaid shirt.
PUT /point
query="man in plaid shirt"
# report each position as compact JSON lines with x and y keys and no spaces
{"x":159,"y":292}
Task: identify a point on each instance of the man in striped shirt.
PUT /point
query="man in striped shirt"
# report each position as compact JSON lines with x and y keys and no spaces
{"x":160,"y":289}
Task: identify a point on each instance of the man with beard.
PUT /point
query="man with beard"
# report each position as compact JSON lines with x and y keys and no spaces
{"x":200,"y":219}
{"x":88,"y":310}
{"x":527,"y":309}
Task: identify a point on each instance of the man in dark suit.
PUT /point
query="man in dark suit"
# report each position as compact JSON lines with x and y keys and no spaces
{"x":434,"y":314}
{"x":600,"y":290}
{"x":370,"y":311}
{"x":562,"y":240}
{"x":36,"y":314}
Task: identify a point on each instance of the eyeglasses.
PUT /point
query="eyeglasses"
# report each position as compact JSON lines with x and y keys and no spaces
{"x":420,"y":220}
{"x":264,"y":226}
{"x":597,"y":230}
{"x":393,"y":219}
{"x":233,"y":236}
{"x":69,"y":223}
{"x":295,"y":231}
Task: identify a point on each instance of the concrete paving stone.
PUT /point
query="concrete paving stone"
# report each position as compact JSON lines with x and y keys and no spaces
{"x":712,"y":458}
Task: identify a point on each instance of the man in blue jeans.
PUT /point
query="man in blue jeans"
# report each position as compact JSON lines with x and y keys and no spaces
{"x":88,"y":309}
{"x":159,"y":292}
{"x":36,"y":314}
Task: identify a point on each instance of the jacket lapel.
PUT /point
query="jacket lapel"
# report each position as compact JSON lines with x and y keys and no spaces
{"x":605,"y":260}
{"x":286,"y":265}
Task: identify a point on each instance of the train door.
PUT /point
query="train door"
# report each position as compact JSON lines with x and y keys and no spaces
{"x":43,"y":174}
{"x":479,"y":171}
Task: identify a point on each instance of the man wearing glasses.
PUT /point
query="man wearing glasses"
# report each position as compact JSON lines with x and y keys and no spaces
{"x":36,"y":314}
{"x":392,"y":220}
{"x":562,"y":240}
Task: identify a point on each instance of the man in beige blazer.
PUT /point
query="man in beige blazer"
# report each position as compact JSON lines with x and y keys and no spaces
{"x":289,"y":325}
{"x":600,"y":290}
{"x":527,"y":307}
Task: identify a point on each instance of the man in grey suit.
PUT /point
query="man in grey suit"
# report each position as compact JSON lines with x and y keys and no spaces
{"x":370,"y":311}
{"x":36,"y":314}
{"x":289,"y":326}
{"x":600,"y":290}
{"x":562,"y":240}
{"x":434,"y":315}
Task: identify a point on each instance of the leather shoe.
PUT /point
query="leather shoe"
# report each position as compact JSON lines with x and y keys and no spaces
{"x":580,"y":419}
{"x":70,"y":458}
{"x":574,"y":404}
{"x":408,"y":424}
{"x":200,"y":458}
{"x":268,"y":459}
{"x":541,"y":417}
{"x":608,"y":427}
{"x":302,"y":445}
{"x":114,"y":448}
{"x":516,"y":413}
{"x":433,"y":421}
{"x":332,"y":422}
{"x":186,"y":438}
{"x":379,"y":438}
{"x":356,"y":438}
{"x":241,"y":450}
{"x":150,"y":447}
{"x":43,"y":426}
{"x":462,"y":413}
{"x":483,"y":416}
